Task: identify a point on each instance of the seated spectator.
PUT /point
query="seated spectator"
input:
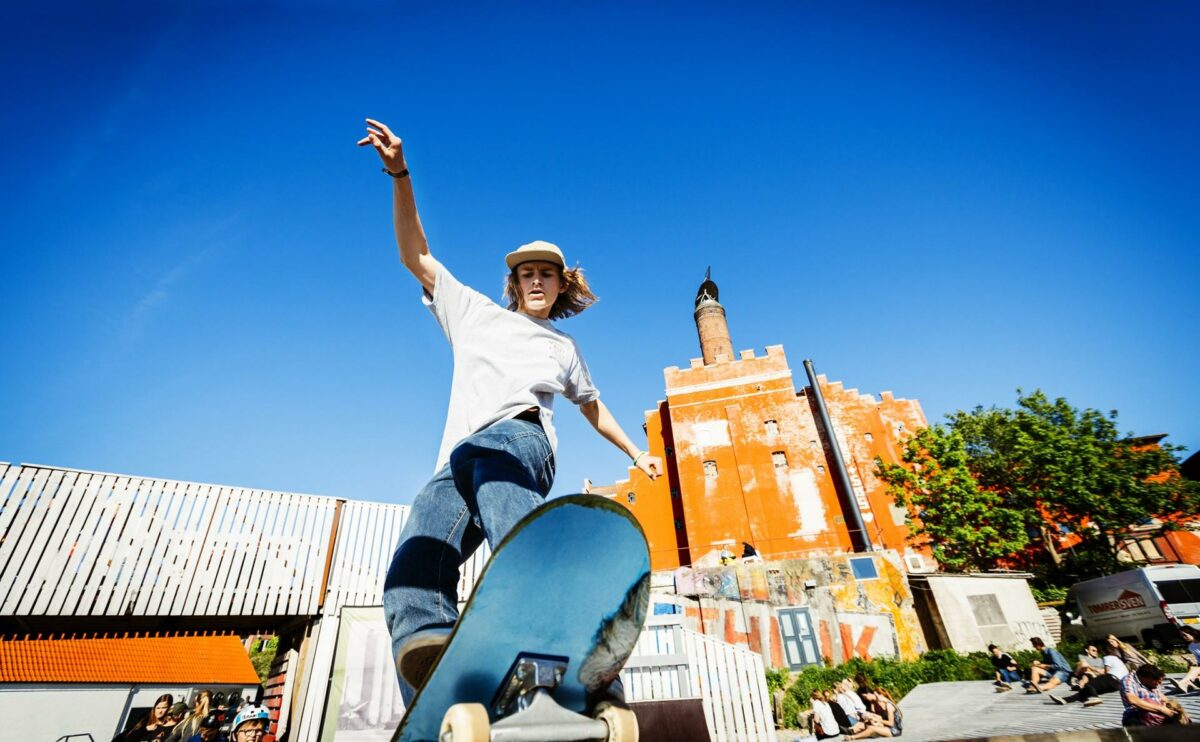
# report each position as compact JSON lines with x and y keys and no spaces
{"x":1007,"y":671}
{"x":1050,"y":671}
{"x":850,"y":701}
{"x":883,"y":718}
{"x":1088,"y":665}
{"x":1191,"y":681}
{"x":1144,"y":703}
{"x":1132,"y":658}
{"x":848,"y":723}
{"x":824,"y":723}
{"x":861,"y":685}
{"x":1108,"y":681}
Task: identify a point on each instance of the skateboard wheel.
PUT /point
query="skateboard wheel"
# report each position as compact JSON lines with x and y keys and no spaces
{"x":622,"y":724}
{"x":465,"y":722}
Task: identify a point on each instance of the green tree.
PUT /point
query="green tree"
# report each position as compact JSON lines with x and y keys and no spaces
{"x":968,"y":527}
{"x":1044,"y":465}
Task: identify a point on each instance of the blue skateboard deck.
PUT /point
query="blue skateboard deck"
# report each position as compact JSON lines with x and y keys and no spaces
{"x":570,"y":581}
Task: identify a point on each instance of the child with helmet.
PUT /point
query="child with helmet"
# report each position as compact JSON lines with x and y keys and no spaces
{"x":251,"y":724}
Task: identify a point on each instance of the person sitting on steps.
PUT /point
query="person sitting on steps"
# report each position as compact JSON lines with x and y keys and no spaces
{"x":1191,"y":681}
{"x":1108,"y":681}
{"x":1089,"y":665}
{"x":1007,"y":671}
{"x":1050,"y":671}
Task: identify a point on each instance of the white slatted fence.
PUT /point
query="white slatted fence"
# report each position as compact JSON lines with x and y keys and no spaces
{"x":80,"y":543}
{"x":673,"y":662}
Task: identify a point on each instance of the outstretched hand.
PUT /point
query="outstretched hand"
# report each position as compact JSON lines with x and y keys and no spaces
{"x":386,"y":143}
{"x":651,"y":466}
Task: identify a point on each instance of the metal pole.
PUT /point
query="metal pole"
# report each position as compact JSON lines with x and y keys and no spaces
{"x":862,"y":541}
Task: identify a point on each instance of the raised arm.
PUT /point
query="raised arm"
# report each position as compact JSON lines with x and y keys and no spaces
{"x":410,"y":236}
{"x":606,"y":425}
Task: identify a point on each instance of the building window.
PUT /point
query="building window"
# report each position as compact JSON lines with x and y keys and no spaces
{"x":772,"y":428}
{"x":631,"y":498}
{"x":870,"y":438}
{"x":710,"y":469}
{"x":779,"y":459}
{"x":820,"y":468}
{"x":987,"y":610}
{"x":864,"y":568}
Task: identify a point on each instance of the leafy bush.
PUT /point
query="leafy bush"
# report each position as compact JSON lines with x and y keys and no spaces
{"x":790,"y":719}
{"x":261,"y":656}
{"x":1049,"y":594}
{"x":777,"y":680}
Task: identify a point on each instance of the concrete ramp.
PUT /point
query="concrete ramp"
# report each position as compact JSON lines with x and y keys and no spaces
{"x":974,"y":710}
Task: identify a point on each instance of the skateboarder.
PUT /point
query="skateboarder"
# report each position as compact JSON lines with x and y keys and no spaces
{"x":496,"y":461}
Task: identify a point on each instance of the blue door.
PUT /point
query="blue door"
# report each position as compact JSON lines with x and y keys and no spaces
{"x":799,"y":642}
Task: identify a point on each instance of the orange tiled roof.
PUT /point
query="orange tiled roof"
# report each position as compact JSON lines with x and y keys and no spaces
{"x":148,"y":659}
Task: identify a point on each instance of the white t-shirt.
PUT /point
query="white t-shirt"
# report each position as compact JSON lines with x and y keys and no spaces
{"x":825,"y":717}
{"x":851,"y":703}
{"x":504,"y":363}
{"x":1115,"y":667}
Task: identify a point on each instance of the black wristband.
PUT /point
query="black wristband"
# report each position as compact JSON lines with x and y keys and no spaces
{"x":402,"y":174}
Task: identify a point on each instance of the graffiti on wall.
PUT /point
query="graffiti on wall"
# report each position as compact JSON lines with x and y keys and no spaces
{"x":740,"y":604}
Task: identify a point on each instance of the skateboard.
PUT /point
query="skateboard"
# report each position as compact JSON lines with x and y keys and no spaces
{"x":547,"y":629}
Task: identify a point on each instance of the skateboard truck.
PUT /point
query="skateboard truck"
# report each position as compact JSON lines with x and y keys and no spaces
{"x":526,"y":707}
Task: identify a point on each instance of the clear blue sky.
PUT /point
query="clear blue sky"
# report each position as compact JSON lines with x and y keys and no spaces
{"x":945,"y":200}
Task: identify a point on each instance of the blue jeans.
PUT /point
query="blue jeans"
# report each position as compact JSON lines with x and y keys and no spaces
{"x":494,"y":478}
{"x":1009,"y":676}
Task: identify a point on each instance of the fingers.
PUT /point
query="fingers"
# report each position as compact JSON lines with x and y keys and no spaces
{"x":382,"y":127}
{"x":652,"y":466}
{"x":372,"y":139}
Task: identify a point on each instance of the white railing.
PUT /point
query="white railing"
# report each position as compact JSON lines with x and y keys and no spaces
{"x":80,"y":543}
{"x":673,"y":662}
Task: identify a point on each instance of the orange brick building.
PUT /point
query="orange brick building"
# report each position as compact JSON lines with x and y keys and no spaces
{"x":749,"y":461}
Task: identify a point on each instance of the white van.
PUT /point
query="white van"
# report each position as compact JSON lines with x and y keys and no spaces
{"x":1146,"y":605}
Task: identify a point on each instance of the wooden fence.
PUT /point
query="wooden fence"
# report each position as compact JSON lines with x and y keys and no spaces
{"x":673,"y":662}
{"x":80,"y":543}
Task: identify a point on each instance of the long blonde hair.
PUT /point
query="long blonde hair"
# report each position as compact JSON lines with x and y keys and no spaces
{"x":577,"y":297}
{"x":200,"y":708}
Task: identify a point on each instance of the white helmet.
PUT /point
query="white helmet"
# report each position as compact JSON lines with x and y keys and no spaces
{"x":250,"y":712}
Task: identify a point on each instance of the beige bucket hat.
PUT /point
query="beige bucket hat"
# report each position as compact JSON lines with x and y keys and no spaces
{"x":536,"y":250}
